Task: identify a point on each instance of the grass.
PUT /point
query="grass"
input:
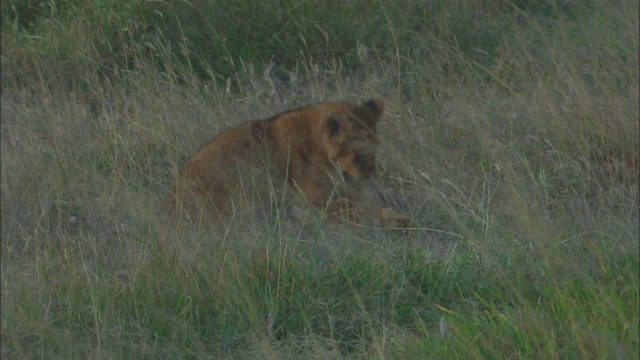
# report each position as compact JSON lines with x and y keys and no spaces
{"x":510,"y":137}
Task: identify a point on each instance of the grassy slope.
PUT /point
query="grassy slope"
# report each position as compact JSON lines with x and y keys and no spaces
{"x":511,"y":137}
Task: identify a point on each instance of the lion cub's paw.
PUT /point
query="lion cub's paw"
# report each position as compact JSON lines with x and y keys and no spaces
{"x":392,"y":220}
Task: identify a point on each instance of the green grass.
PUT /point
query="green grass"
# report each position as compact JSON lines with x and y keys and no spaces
{"x":510,"y":137}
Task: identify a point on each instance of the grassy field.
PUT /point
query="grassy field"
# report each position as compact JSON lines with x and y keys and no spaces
{"x":511,"y":137}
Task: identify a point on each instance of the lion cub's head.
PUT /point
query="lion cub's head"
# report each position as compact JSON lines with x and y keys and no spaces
{"x":350,"y":137}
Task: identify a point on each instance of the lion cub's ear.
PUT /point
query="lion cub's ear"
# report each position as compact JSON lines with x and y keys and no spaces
{"x":333,"y":124}
{"x":337,"y":126}
{"x":335,"y":129}
{"x":376,"y":106}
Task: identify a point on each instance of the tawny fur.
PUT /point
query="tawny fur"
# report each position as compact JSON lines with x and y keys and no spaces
{"x":323,"y":154}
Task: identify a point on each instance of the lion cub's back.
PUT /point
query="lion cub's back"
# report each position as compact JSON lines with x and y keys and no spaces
{"x":230,"y":144}
{"x":211,"y":176}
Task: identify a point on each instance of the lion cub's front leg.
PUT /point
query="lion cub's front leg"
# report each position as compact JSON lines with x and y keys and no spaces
{"x":342,"y":208}
{"x":392,"y":220}
{"x":355,"y":211}
{"x":346,"y":209}
{"x":360,"y":202}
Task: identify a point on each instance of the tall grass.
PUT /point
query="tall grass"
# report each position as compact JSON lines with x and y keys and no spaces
{"x":511,"y":138}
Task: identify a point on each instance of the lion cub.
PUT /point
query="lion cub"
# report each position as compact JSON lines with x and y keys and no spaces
{"x":323,"y":154}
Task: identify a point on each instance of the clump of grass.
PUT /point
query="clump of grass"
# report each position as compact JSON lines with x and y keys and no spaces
{"x":509,"y":138}
{"x":216,"y":40}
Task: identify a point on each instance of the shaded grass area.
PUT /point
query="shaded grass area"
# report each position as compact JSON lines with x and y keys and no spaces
{"x":269,"y":300}
{"x":216,"y":40}
{"x":511,"y":138}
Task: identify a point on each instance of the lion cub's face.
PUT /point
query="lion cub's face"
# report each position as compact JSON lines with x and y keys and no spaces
{"x":351,"y":138}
